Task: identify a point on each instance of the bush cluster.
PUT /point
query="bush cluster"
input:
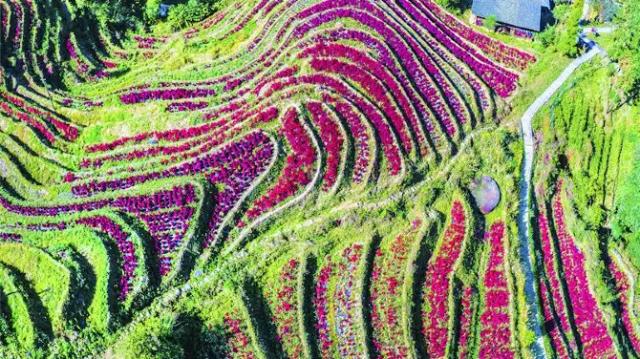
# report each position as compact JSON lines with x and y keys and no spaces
{"x":180,"y":14}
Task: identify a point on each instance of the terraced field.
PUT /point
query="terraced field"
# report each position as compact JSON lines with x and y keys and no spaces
{"x":283,"y":179}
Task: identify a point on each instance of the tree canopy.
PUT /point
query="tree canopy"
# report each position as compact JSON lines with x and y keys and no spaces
{"x":625,"y":49}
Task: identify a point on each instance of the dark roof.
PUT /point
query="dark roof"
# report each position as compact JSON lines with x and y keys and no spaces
{"x":526,"y":14}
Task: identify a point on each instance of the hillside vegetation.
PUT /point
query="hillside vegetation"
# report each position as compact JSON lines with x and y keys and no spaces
{"x":310,"y":178}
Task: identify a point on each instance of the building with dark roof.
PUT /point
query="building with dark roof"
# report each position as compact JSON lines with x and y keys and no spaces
{"x":526,"y":16}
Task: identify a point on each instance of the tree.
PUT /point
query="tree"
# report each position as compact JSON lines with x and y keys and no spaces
{"x":118,"y":16}
{"x":567,"y":34}
{"x":456,"y":6}
{"x":490,"y":22}
{"x":625,"y":49}
{"x":154,"y":339}
{"x":151,"y":10}
{"x":627,"y":211}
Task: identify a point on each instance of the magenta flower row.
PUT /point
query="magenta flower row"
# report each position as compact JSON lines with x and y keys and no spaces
{"x":284,"y":308}
{"x":68,"y":131}
{"x":321,"y":305}
{"x":178,"y":196}
{"x":550,"y":325}
{"x":386,"y":300}
{"x":595,"y":338}
{"x":125,"y":246}
{"x":624,"y":285}
{"x":549,"y":258}
{"x":148,"y":42}
{"x":495,"y":320}
{"x":165,"y":95}
{"x":438,"y":284}
{"x":238,"y":340}
{"x":466,"y":317}
{"x":186,"y":106}
{"x":347,"y":303}
{"x":297,"y":169}
{"x":332,"y":141}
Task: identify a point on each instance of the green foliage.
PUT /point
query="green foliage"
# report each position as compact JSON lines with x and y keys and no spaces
{"x":151,"y":10}
{"x":490,"y":22}
{"x":18,"y":307}
{"x":625,"y":48}
{"x":118,"y":16}
{"x":546,"y":37}
{"x":633,"y":250}
{"x":191,"y":12}
{"x":456,"y":6}
{"x":566,"y":42}
{"x":153,"y":339}
{"x":44,"y":273}
{"x":627,"y":215}
{"x":562,"y":36}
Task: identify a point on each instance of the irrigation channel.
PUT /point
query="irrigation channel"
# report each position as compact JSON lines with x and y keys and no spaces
{"x":533,"y":320}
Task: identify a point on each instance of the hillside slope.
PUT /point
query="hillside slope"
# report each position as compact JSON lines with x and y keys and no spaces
{"x":303,"y":178}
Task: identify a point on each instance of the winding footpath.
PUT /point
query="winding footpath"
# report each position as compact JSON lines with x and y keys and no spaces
{"x":534,"y":319}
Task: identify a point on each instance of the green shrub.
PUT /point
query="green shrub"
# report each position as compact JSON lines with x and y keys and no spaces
{"x":491,"y":22}
{"x":456,"y":6}
{"x":625,"y":48}
{"x":118,"y":16}
{"x":151,"y":10}
{"x":153,"y":339}
{"x":189,"y":13}
{"x":627,"y":212}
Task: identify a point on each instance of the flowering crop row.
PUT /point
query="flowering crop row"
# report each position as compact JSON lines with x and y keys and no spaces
{"x":438,"y":283}
{"x":549,"y":258}
{"x":11,"y":237}
{"x":551,"y":326}
{"x":186,"y":106}
{"x":297,"y":169}
{"x":594,"y":336}
{"x":466,"y":318}
{"x":167,"y":229}
{"x":337,"y":308}
{"x":201,"y":164}
{"x":178,"y":196}
{"x":125,"y":246}
{"x":165,"y":95}
{"x":361,"y":138}
{"x":495,"y":319}
{"x":148,"y":42}
{"x":331,"y":139}
{"x":69,"y":131}
{"x":284,"y":304}
{"x":83,"y":68}
{"x":238,"y":339}
{"x":624,"y":284}
{"x":347,"y":303}
{"x":387,"y":278}
{"x":321,"y":305}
